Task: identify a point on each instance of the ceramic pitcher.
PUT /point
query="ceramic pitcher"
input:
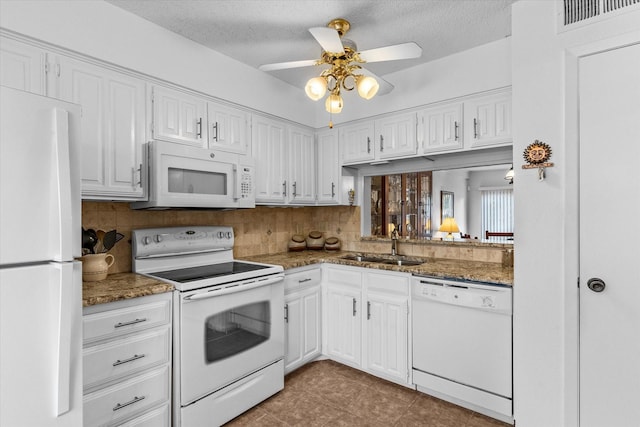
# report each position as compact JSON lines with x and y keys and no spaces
{"x":96,"y":266}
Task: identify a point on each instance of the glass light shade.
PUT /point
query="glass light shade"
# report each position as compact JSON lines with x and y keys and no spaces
{"x":367,"y":86}
{"x":509,"y":176}
{"x":333,"y":104}
{"x":316,"y":88}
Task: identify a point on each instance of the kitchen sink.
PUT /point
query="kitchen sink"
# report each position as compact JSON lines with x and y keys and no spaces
{"x":385,"y":259}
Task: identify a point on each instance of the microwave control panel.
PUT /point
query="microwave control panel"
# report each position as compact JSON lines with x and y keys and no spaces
{"x":246,"y":182}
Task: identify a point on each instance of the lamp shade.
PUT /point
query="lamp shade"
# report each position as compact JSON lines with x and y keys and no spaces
{"x":449,"y":225}
{"x":367,"y":86}
{"x":333,"y":104}
{"x":316,"y":88}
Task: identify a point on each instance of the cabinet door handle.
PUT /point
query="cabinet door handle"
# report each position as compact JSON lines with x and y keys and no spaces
{"x":354,"y":308}
{"x":308,"y":279}
{"x":131,"y":359}
{"x":284,"y":189}
{"x":135,"y":183}
{"x":199,"y":128}
{"x":368,"y":310}
{"x":135,"y":399}
{"x":455,"y":131}
{"x":475,"y":128}
{"x":215,"y":127}
{"x":132,"y":322}
{"x":295,"y":188}
{"x":333,"y":190}
{"x":286,"y":313}
{"x":381,"y":143}
{"x":368,"y":145}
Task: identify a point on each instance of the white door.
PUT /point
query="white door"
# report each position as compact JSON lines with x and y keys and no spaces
{"x":344,"y":324}
{"x":271,"y":157}
{"x":329,"y":169}
{"x":229,"y":128}
{"x":609,"y":210}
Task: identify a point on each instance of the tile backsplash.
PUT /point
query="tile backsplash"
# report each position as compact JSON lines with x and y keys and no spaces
{"x":263,"y":230}
{"x":267,"y":230}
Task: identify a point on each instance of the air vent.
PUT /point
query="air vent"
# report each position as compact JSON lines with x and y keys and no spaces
{"x":580,"y":10}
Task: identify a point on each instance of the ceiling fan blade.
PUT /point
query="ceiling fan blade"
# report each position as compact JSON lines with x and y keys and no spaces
{"x":385,"y":86}
{"x":328,"y":39}
{"x":285,"y":65}
{"x":392,"y":53}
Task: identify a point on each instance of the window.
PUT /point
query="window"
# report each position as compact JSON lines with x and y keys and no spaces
{"x":497,"y":213}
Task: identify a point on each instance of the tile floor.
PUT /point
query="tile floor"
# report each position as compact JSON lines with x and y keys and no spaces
{"x":326,"y":393}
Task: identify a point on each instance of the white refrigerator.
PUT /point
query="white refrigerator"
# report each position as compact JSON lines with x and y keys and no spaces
{"x":40,"y":283}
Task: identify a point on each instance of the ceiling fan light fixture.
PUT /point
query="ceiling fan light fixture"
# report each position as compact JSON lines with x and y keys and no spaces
{"x":367,"y":86}
{"x":333,"y":104}
{"x":316,"y":88}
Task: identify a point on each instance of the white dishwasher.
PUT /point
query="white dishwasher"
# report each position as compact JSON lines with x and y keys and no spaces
{"x":462,"y":343}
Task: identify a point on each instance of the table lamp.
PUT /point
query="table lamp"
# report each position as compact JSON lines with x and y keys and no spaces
{"x":449,"y":226}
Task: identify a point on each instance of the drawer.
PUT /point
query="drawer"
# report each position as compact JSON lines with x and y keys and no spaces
{"x":121,"y":321}
{"x":160,"y":417}
{"x":118,"y":358}
{"x":127,"y":399}
{"x":302,"y":279}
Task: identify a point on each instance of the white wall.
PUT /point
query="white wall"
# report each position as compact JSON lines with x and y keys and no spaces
{"x":546,"y":256}
{"x":108,"y":33}
{"x":454,"y":180}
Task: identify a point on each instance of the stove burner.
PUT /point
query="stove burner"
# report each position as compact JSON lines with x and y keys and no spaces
{"x":192,"y":274}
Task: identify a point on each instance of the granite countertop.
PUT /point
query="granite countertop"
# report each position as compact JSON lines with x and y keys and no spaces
{"x":440,"y":268}
{"x":121,"y":286}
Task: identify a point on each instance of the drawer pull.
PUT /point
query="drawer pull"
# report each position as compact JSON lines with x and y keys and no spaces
{"x":133,"y":322}
{"x":135,"y":399}
{"x":131,"y":359}
{"x":304,"y":280}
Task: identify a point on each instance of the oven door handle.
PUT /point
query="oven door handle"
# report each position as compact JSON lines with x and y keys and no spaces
{"x":234,"y":288}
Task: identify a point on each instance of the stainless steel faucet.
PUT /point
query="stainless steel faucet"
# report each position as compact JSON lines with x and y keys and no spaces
{"x":394,"y":241}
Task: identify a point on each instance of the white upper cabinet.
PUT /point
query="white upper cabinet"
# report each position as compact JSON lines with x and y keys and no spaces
{"x":387,"y":138}
{"x":22,"y":66}
{"x":113,"y":127}
{"x":488,"y":120}
{"x":440,"y":128}
{"x":396,"y":136}
{"x":357,"y":140}
{"x":179,"y":117}
{"x":302,"y":166}
{"x":329,"y":180}
{"x":229,"y":128}
{"x":269,"y":139}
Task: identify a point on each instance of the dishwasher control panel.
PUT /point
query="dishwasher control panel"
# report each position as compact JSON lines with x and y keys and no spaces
{"x":465,"y":294}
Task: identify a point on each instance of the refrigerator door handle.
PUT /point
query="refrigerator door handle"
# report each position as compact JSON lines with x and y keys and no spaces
{"x":62,"y":179}
{"x":64,"y":312}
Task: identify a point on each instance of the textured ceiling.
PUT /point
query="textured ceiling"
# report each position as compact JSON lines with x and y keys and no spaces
{"x":258,"y":32}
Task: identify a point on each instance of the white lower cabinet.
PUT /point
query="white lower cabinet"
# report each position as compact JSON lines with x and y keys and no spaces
{"x":343,"y":333}
{"x":367,"y":325}
{"x":127,"y":362}
{"x":303,"y":332}
{"x":386,"y":325}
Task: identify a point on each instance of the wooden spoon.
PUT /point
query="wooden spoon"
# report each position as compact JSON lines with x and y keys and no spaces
{"x":100,"y":244}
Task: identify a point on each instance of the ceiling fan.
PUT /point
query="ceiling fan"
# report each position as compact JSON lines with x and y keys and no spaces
{"x":345,"y":71}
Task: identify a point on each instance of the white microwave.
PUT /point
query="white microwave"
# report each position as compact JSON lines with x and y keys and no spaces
{"x":189,"y":177}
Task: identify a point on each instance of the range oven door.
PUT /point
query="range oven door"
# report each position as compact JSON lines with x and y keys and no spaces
{"x":228,"y":334}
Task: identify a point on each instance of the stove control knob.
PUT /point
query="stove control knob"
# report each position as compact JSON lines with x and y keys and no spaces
{"x":146,"y":240}
{"x":157,"y":238}
{"x":220,"y":234}
{"x":229,"y":234}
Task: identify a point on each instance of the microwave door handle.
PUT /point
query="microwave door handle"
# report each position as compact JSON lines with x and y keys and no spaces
{"x":234,"y":289}
{"x":236,"y":180}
